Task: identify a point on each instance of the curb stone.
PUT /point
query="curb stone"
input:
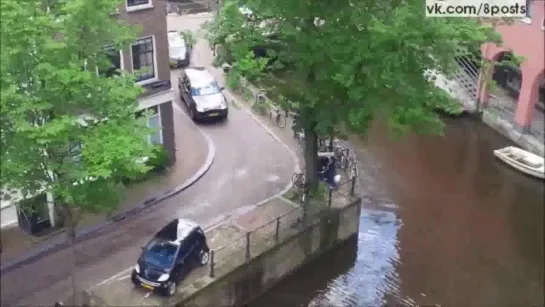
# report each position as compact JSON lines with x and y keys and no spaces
{"x":57,"y":243}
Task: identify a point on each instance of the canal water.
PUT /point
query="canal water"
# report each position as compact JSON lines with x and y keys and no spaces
{"x":443,"y":224}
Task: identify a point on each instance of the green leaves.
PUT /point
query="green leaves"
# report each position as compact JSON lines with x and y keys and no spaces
{"x":65,"y":128}
{"x":348,"y":63}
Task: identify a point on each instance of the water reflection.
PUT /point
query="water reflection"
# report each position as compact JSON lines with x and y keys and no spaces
{"x":311,"y":280}
{"x":444,"y":223}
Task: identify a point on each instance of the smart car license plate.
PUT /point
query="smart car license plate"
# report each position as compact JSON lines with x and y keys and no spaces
{"x":213,"y":114}
{"x":147,"y":286}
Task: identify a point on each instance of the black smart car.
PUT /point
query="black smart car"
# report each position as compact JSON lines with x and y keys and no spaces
{"x":171,"y":254}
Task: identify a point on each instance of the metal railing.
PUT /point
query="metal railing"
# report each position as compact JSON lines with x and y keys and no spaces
{"x":253,"y":243}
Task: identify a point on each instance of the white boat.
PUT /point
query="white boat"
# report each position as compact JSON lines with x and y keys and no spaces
{"x":522,"y":160}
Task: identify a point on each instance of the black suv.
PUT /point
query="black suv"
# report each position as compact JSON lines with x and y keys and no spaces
{"x":171,"y":254}
{"x":202,"y":94}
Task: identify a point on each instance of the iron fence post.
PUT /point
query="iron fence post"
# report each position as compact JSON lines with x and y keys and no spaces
{"x":247,"y":246}
{"x":330,"y":194}
{"x":277,"y":233}
{"x":212,"y":274}
{"x":304,"y":214}
{"x":352,"y":188}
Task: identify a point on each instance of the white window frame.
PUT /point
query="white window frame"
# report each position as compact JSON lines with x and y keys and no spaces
{"x":158,"y":114}
{"x":132,"y":8}
{"x":156,"y":73}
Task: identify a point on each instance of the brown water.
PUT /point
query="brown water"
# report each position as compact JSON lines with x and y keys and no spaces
{"x":443,"y":223}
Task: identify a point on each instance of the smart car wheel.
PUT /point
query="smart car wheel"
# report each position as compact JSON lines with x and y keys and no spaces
{"x":204,"y":257}
{"x":171,"y":288}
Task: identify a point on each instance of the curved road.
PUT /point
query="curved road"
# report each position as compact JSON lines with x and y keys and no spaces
{"x":249,"y":166}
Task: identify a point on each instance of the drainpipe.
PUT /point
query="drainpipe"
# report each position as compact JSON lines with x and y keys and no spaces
{"x":51,"y":209}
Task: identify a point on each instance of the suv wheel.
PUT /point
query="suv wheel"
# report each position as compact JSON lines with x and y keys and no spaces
{"x":204,"y":257}
{"x":192,"y":113}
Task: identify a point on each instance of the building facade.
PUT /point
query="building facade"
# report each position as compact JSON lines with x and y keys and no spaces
{"x":526,"y":83}
{"x":148,"y":53}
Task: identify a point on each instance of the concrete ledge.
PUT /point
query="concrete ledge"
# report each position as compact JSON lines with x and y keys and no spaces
{"x":245,"y":282}
{"x":508,"y":129}
{"x":274,"y":255}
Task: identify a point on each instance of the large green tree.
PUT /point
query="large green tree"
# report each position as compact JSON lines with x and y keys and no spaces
{"x":68,"y":120}
{"x":349,"y":62}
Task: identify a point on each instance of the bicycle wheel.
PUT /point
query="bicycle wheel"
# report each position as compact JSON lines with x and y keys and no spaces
{"x":344,"y":162}
{"x":280,"y":120}
{"x":303,"y":197}
{"x":353,"y":171}
{"x":339,"y":151}
{"x":298,"y":180}
{"x":300,"y":137}
{"x":351,"y":162}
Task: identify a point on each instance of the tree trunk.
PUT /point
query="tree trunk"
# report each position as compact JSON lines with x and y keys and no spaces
{"x":311,"y":158}
{"x":70,"y":222}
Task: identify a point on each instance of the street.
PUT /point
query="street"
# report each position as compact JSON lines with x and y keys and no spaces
{"x":249,"y":166}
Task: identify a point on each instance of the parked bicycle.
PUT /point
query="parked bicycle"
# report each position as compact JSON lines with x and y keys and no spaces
{"x":260,"y":100}
{"x":278,"y":115}
{"x":326,"y":173}
{"x":343,"y":157}
{"x":300,"y":183}
{"x":299,"y":136}
{"x":353,"y":172}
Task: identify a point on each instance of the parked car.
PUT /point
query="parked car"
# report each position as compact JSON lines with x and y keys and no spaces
{"x":170,"y":255}
{"x":202,"y":94}
{"x":178,"y":50}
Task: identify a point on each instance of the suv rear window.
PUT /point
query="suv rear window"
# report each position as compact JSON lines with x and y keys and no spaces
{"x":209,"y":89}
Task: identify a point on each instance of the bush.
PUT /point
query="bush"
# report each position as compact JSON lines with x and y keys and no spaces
{"x":232,"y":80}
{"x":157,"y":163}
{"x":189,"y":38}
{"x":160,"y":160}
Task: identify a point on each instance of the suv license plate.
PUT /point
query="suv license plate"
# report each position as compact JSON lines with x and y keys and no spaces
{"x":213,"y":114}
{"x":147,"y":286}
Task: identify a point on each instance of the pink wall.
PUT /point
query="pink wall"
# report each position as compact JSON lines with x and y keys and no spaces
{"x":524,"y":38}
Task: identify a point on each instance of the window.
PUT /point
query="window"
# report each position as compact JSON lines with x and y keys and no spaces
{"x":154,"y":121}
{"x":143,"y":59}
{"x":131,"y":3}
{"x":208,"y":89}
{"x":114,"y":57}
{"x":160,"y":253}
{"x":186,"y":248}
